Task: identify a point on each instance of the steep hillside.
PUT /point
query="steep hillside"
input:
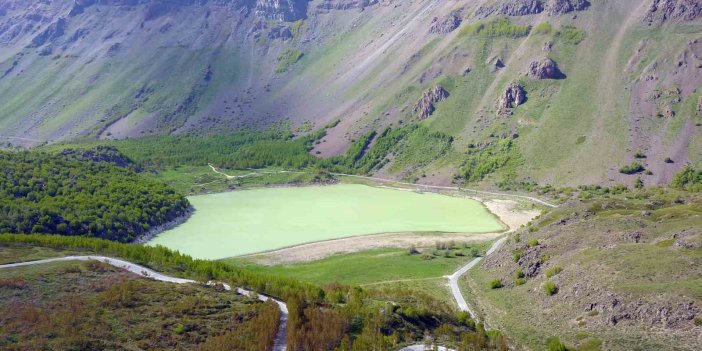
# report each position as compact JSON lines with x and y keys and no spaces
{"x":552,"y":91}
{"x":613,"y":273}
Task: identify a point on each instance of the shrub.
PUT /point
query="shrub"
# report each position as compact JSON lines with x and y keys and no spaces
{"x":533,"y":243}
{"x":571,"y":35}
{"x":632,"y":168}
{"x":639,"y":154}
{"x":543,"y":28}
{"x":698,"y":321}
{"x":516,"y":255}
{"x":518,"y":238}
{"x":668,"y":160}
{"x":495,"y":284}
{"x":555,"y":344}
{"x":180,"y":329}
{"x":553,"y":271}
{"x":520,"y":281}
{"x":412,"y":250}
{"x":427,"y":256}
{"x":550,"y":287}
{"x":688,"y":179}
{"x":474,"y":252}
{"x":638,"y":183}
{"x":519,"y":273}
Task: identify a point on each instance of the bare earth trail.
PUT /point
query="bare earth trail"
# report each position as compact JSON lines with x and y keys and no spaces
{"x":280,"y":343}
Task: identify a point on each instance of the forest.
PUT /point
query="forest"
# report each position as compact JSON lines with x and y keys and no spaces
{"x":78,"y":193}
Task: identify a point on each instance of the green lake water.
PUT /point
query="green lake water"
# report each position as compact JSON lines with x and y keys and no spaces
{"x":249,"y":221}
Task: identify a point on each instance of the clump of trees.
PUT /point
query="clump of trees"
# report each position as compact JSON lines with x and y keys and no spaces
{"x":69,"y":195}
{"x":688,"y":179}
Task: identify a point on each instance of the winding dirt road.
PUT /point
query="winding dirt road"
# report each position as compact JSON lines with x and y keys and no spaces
{"x":453,"y":280}
{"x":280,"y":343}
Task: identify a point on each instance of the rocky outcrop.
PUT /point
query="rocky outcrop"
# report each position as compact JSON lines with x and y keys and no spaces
{"x":328,"y":5}
{"x":108,"y":154}
{"x":673,"y":10}
{"x":560,"y":7}
{"x":55,"y":30}
{"x":280,"y":32}
{"x":425,"y":105}
{"x":446,"y":24}
{"x":532,"y":7}
{"x":513,"y":96}
{"x":281,"y":10}
{"x":544,"y":69}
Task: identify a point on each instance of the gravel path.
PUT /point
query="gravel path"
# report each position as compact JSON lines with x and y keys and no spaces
{"x":453,"y":280}
{"x":280,"y":343}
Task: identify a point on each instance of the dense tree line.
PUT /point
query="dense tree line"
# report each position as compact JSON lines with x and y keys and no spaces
{"x":334,"y":317}
{"x":71,"y":195}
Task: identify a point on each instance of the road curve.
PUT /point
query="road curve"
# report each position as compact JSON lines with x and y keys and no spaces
{"x":453,"y":279}
{"x":280,"y":343}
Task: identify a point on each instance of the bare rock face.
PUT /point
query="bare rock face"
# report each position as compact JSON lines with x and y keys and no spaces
{"x":281,"y":10}
{"x":280,"y":32}
{"x":425,"y":105}
{"x":328,"y":5}
{"x":512,"y":8}
{"x":560,"y":7}
{"x":673,"y":10}
{"x":55,"y":30}
{"x":544,"y":69}
{"x":446,"y":24}
{"x":533,"y":7}
{"x":513,"y":96}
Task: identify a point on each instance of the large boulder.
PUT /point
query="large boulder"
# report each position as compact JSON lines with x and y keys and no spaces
{"x":446,"y":24}
{"x":544,"y":69}
{"x":425,"y":106}
{"x":513,"y":96}
{"x":560,"y":7}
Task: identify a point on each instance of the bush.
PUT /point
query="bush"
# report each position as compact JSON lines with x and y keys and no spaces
{"x":698,"y":321}
{"x":519,"y":273}
{"x":555,"y":344}
{"x":668,"y":160}
{"x":427,"y":256}
{"x":495,"y":284}
{"x":638,"y":183}
{"x":288,"y":58}
{"x":516,"y":255}
{"x":533,"y":243}
{"x":180,"y":329}
{"x":543,"y":28}
{"x":550,"y":287}
{"x":553,"y":271}
{"x":688,"y":179}
{"x":639,"y":154}
{"x":571,"y":35}
{"x":412,"y":250}
{"x":632,"y":168}
{"x":519,"y":281}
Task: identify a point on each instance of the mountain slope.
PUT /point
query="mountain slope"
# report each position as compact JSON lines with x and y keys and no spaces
{"x":628,"y":82}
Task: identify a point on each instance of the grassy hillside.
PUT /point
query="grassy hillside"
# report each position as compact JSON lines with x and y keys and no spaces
{"x":630,"y":82}
{"x":616,"y":272}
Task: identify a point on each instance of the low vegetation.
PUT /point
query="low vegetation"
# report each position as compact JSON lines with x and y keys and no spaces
{"x":334,"y":317}
{"x":632,"y":168}
{"x":498,"y":27}
{"x":91,"y":306}
{"x":288,"y":58}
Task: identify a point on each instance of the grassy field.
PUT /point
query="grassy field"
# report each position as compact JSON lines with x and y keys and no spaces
{"x":237,"y":223}
{"x":381,"y":269}
{"x":372,"y":267}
